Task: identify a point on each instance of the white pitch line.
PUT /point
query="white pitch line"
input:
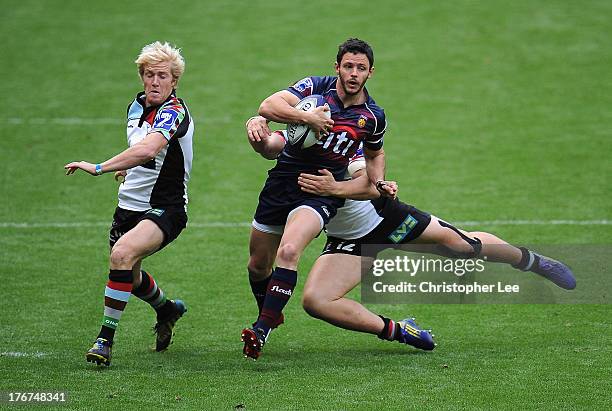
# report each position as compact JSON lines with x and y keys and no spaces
{"x":533,"y":222}
{"x":107,"y":224}
{"x":18,"y":354}
{"x":89,"y":121}
{"x":221,"y":224}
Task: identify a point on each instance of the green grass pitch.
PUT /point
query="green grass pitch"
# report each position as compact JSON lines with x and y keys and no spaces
{"x":497,"y":111}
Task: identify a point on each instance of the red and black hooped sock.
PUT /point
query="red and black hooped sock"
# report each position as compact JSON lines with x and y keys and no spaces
{"x":280,"y":288}
{"x":390,"y":331}
{"x":259,"y":288}
{"x":149,"y":292}
{"x":116,"y":296}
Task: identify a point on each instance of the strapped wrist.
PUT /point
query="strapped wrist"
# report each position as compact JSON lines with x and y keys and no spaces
{"x":254,"y":117}
{"x":249,"y":120}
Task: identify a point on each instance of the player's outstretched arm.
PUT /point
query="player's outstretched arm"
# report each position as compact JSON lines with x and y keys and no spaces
{"x":279,"y":107}
{"x":358,"y":188}
{"x":134,"y":156}
{"x":268,"y":144}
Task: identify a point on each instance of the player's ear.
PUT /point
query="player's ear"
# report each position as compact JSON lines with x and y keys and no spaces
{"x":371,"y":72}
{"x":337,"y":67}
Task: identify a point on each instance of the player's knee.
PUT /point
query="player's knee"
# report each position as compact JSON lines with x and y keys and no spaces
{"x":312,"y":303}
{"x":259,"y":268}
{"x":316,"y":303}
{"x":122,"y":255}
{"x":460,"y":248}
{"x":458,"y":244}
{"x":463,"y":249}
{"x":288,"y":253}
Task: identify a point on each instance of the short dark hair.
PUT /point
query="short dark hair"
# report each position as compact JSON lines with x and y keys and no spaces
{"x":355,"y":46}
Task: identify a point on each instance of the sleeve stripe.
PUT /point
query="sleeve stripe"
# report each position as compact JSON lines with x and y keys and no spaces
{"x":383,"y":130}
{"x":375,"y":119}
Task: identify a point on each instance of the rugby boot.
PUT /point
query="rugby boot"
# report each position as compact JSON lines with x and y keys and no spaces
{"x":100,"y":352}
{"x":254,"y":340}
{"x":555,"y":271}
{"x":165,"y":325}
{"x":411,"y":334}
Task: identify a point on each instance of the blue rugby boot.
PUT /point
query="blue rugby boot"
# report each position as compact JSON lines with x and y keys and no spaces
{"x":411,"y":334}
{"x":555,"y":271}
{"x":100,"y":353}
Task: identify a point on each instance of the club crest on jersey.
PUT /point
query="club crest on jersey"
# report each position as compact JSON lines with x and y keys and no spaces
{"x":165,"y":120}
{"x":303,"y":85}
{"x":362,"y":121}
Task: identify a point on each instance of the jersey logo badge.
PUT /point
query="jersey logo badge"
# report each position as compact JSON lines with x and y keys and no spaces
{"x":156,"y":211}
{"x":362,"y":121}
{"x":404,"y":228}
{"x":303,"y":85}
{"x":165,"y":120}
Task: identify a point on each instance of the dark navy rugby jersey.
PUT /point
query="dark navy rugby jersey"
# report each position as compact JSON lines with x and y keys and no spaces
{"x":352,"y":125}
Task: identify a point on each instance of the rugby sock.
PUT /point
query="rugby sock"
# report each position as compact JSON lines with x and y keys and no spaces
{"x":390,"y":331}
{"x":149,"y":292}
{"x":529,"y":260}
{"x":116,"y":295}
{"x":259,"y":288}
{"x":280,"y":288}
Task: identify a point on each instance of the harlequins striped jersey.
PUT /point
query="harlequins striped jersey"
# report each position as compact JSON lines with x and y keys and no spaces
{"x":162,"y":181}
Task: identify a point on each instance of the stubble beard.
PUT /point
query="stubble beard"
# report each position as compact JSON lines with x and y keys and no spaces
{"x":347,"y":92}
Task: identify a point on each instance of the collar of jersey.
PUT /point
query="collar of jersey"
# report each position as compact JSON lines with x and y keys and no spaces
{"x":140,"y":97}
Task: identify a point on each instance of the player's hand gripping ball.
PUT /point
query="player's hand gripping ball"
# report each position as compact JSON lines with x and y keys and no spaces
{"x":301,"y":135}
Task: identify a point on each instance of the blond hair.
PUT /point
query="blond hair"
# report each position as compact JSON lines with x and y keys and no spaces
{"x":159,"y":53}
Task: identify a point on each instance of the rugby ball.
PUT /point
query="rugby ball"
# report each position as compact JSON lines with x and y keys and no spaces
{"x":300,"y":135}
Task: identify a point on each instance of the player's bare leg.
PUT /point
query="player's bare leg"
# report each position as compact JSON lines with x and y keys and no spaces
{"x":301,"y":228}
{"x":130,"y":249}
{"x":262,"y":252}
{"x":465,"y":244}
{"x":330,"y":279}
{"x":492,"y":247}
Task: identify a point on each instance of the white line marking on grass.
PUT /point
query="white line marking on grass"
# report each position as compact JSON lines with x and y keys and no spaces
{"x":534,"y":222}
{"x":89,"y":121}
{"x":18,"y":354}
{"x":222,"y":224}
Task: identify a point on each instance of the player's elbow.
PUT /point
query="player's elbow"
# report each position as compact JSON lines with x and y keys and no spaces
{"x":262,"y":147}
{"x":265,"y":108}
